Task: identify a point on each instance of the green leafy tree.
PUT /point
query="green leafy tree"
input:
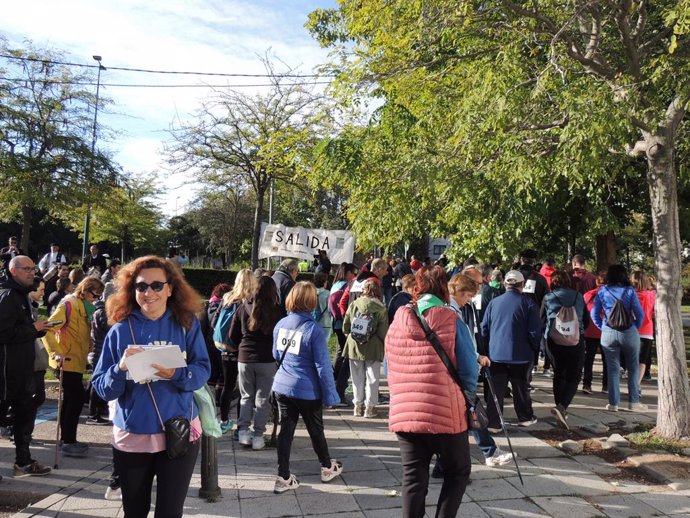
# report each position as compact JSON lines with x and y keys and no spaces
{"x":251,"y":141}
{"x":128,"y":215}
{"x":519,"y":101}
{"x":45,"y":137}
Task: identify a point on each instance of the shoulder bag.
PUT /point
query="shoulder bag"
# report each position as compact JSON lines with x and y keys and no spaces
{"x":477,"y":418}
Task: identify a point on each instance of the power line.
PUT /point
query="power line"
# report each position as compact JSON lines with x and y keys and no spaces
{"x":125,"y":85}
{"x":149,"y":71}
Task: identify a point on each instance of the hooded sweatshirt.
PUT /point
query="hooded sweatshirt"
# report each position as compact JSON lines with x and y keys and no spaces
{"x":135,"y":412}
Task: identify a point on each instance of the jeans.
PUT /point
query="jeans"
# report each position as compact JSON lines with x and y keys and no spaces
{"x":592,"y":345}
{"x":256,"y":380}
{"x":485,"y":442}
{"x":416,"y":450}
{"x":613,"y":344}
{"x":312,"y":414}
{"x":567,"y":368}
{"x":136,"y":472}
{"x":365,"y":382}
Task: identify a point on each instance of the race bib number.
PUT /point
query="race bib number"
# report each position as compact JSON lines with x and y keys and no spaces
{"x":360,"y":326}
{"x":565,"y":328}
{"x":530,"y":286}
{"x":290,"y":338}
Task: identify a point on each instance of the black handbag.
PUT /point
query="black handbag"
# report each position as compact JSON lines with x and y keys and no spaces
{"x":477,"y":418}
{"x":177,"y":431}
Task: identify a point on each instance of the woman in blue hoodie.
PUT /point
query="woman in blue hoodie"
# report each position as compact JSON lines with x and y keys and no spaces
{"x":613,"y":341}
{"x":303,"y":384}
{"x":153,"y":306}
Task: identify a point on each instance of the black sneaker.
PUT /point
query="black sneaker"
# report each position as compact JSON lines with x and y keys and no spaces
{"x":31,"y":469}
{"x":98,"y":420}
{"x":587,"y":388}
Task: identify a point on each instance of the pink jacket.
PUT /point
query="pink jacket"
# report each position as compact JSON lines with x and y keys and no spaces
{"x":592,"y":330}
{"x":424,"y":398}
{"x":647,"y":300}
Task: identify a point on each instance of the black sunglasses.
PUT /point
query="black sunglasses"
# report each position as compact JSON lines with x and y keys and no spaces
{"x":156,"y":286}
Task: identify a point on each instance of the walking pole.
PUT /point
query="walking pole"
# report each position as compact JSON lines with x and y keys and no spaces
{"x":487,"y":377}
{"x":59,"y":412}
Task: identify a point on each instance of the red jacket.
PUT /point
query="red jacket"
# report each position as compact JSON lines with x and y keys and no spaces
{"x":357,"y":283}
{"x":424,"y":398}
{"x":592,"y":330}
{"x":647,"y":301}
{"x":546,"y":272}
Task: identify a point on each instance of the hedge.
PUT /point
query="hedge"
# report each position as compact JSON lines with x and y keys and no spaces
{"x":204,"y":279}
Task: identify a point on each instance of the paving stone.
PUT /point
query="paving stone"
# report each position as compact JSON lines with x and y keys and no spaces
{"x":482,"y":490}
{"x":595,"y":428}
{"x":570,"y":506}
{"x":586,"y":484}
{"x":597,"y":464}
{"x":378,"y":498}
{"x":378,"y":478}
{"x":521,"y":507}
{"x":272,"y":506}
{"x":623,"y":506}
{"x":321,"y":503}
{"x":667,"y":502}
{"x":541,"y":485}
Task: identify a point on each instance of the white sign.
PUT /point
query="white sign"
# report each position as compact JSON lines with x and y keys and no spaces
{"x":305,"y":243}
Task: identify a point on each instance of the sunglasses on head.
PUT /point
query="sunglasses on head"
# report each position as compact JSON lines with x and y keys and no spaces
{"x":156,"y":286}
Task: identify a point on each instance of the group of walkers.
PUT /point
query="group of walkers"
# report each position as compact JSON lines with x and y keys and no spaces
{"x":267,"y":337}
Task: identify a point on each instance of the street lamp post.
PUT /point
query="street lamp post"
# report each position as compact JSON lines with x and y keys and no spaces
{"x":90,"y":173}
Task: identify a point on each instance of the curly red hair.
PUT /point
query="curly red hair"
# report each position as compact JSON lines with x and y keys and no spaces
{"x":431,"y":279}
{"x":184,"y":303}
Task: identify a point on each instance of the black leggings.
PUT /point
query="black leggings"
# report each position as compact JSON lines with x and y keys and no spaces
{"x":312,"y":415}
{"x":341,"y":368}
{"x":230,"y":377}
{"x":136,"y":472}
{"x":73,"y":396}
{"x":416,"y":450}
{"x":567,"y":370}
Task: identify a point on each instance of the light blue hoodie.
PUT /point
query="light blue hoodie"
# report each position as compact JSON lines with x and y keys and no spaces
{"x":135,"y":412}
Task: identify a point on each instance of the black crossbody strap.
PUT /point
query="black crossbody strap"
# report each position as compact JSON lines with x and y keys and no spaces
{"x":435,"y":342}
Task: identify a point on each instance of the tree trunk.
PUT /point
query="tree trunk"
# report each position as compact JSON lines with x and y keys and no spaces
{"x":26,"y":228}
{"x":256,"y":233}
{"x":606,"y":251}
{"x":673,"y":415}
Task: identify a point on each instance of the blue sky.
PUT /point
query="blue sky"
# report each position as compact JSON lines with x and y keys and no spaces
{"x":225,"y":36}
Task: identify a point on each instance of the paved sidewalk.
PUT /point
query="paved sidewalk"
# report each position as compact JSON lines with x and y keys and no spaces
{"x":555,"y":484}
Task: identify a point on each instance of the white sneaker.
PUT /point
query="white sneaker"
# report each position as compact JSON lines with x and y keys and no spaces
{"x":370,"y":412}
{"x":358,"y":411}
{"x":637,"y":407}
{"x":258,"y":442}
{"x":283,"y":484}
{"x":499,"y":458}
{"x":561,"y":416}
{"x":611,"y":408}
{"x":328,"y":474}
{"x":113,"y":494}
{"x":529,"y":422}
{"x":244,"y":437}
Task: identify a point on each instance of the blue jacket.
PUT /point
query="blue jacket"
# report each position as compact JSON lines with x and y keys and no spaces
{"x":564,"y":297}
{"x":606,"y":299}
{"x":512,"y":327}
{"x":465,"y":352}
{"x":306,"y":371}
{"x":135,"y":412}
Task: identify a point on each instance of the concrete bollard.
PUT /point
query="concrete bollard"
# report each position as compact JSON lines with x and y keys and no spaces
{"x":209,"y":470}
